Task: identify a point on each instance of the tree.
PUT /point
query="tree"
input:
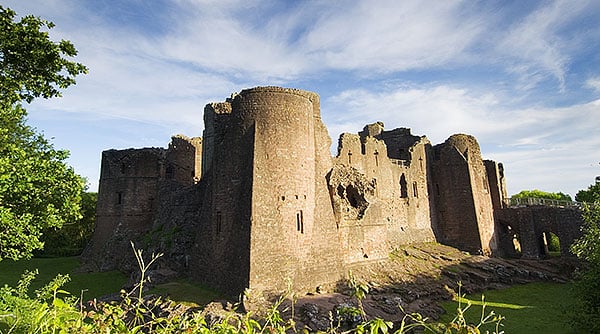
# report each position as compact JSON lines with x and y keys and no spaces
{"x":542,"y":194}
{"x":37,"y":188}
{"x":32,"y":65}
{"x":591,"y":195}
{"x":587,"y":285}
{"x":71,"y":238}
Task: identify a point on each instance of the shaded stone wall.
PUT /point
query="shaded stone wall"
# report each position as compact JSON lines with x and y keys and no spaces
{"x":128,"y":197}
{"x":497,"y":184}
{"x":222,"y":247}
{"x":128,"y":187}
{"x":463,"y":201}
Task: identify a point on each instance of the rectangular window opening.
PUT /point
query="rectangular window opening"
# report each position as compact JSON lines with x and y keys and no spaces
{"x":119,"y":197}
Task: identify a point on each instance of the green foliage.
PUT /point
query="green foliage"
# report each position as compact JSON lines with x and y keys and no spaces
{"x":37,"y":189}
{"x":31,"y":64}
{"x":590,"y":195}
{"x":52,"y":310}
{"x":71,"y":238}
{"x":587,"y":286}
{"x":553,"y":242}
{"x":542,"y":194}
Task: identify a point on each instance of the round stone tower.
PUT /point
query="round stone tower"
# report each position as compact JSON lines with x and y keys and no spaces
{"x":283,"y":196}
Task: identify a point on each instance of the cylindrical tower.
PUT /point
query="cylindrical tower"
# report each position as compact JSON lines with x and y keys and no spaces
{"x":283,"y":196}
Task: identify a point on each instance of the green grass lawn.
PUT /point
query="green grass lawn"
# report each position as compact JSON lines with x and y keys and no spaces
{"x":528,"y":308}
{"x":96,"y":284}
{"x":93,"y":284}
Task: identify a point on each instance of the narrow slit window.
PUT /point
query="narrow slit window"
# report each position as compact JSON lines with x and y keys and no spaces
{"x":349,"y":157}
{"x":119,"y":198}
{"x":376,"y":158}
{"x":300,"y":221}
{"x":219,"y":222}
{"x":415,"y":189}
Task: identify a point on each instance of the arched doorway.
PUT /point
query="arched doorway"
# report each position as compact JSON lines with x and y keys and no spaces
{"x":551,"y":244}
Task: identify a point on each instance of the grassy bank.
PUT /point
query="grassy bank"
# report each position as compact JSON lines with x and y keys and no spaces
{"x":92,"y":284}
{"x":96,"y":284}
{"x":529,"y":308}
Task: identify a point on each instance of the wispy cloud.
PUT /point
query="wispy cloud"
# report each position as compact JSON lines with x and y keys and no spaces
{"x":534,"y":47}
{"x":594,"y":83}
{"x":439,"y":67}
{"x":391,"y":36}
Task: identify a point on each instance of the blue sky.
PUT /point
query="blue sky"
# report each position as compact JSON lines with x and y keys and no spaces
{"x":521,"y":76}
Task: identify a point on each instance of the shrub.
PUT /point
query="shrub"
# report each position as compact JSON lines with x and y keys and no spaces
{"x":587,"y":286}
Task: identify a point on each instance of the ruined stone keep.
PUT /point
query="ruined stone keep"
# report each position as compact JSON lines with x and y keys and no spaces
{"x":259,"y":200}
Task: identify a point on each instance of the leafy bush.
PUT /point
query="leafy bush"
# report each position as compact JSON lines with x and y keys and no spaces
{"x":590,"y":195}
{"x":587,"y":286}
{"x":553,"y":242}
{"x":535,"y":193}
{"x":72,"y":237}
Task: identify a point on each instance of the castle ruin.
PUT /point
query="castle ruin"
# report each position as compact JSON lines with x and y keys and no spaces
{"x":259,"y":199}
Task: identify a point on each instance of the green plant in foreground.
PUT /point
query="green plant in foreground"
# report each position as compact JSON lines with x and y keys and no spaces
{"x":52,"y":310}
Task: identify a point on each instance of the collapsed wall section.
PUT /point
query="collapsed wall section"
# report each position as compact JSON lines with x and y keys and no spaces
{"x":380,"y":201}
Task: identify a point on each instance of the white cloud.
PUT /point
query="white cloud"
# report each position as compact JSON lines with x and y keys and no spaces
{"x":390,"y":36}
{"x":534,"y":46}
{"x":594,"y":83}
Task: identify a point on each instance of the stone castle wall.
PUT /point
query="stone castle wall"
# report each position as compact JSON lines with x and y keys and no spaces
{"x":128,"y":197}
{"x":267,"y":202}
{"x":463,"y":201}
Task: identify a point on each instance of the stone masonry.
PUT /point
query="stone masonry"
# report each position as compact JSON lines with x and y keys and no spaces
{"x":259,"y":202}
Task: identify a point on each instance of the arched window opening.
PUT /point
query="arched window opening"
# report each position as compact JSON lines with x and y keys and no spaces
{"x":403,"y":187}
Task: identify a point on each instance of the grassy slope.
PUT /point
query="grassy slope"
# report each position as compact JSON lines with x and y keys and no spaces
{"x":529,"y":308}
{"x":93,"y":284}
